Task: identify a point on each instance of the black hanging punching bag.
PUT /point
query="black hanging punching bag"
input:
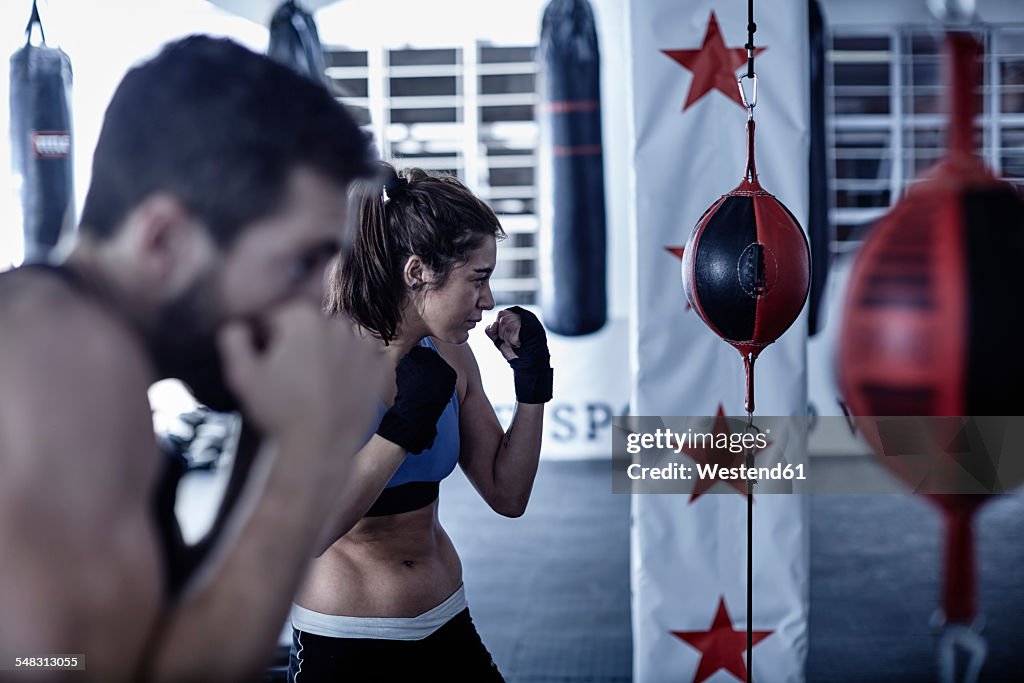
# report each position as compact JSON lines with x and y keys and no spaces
{"x":573,"y":286}
{"x":295,"y":41}
{"x":819,"y":228}
{"x":41,"y":141}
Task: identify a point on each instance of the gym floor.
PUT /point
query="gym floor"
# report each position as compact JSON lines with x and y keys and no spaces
{"x":549,"y":592}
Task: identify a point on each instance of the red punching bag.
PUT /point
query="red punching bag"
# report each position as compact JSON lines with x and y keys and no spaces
{"x":746,"y":267}
{"x":931,"y":319}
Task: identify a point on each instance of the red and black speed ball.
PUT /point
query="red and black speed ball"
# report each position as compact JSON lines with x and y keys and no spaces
{"x":746,"y":268}
{"x":932,"y":316}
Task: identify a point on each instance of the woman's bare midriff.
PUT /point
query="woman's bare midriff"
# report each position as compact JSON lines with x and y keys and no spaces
{"x":394,"y":566}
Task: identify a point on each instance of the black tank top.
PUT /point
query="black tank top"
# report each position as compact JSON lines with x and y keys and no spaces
{"x":179,"y":559}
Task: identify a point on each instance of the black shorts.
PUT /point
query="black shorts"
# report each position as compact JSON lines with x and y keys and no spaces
{"x":453,"y":652}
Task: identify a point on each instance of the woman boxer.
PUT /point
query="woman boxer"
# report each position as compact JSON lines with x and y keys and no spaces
{"x":385,"y":601}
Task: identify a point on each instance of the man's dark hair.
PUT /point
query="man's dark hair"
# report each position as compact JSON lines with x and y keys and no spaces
{"x":220,"y":128}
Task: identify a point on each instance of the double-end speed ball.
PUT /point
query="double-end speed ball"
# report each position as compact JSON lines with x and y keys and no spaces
{"x":746,"y":267}
{"x":747,"y":272}
{"x":932,"y":321}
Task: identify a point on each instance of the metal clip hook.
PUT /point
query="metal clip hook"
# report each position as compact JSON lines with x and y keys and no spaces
{"x":967,"y":639}
{"x":748,"y":102}
{"x":951,"y":12}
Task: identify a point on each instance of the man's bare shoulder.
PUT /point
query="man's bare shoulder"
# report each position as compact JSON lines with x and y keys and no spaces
{"x":75,"y":381}
{"x":79,"y":462}
{"x":46,"y":318}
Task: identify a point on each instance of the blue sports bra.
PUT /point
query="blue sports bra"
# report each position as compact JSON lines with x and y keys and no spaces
{"x":416,"y":482}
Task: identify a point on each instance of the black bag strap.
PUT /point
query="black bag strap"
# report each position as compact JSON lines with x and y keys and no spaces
{"x":307,"y":36}
{"x":34,"y":20}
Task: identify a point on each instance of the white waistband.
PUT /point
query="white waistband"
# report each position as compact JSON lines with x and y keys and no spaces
{"x":381,"y":628}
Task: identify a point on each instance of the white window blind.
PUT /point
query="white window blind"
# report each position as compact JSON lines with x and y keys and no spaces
{"x":466,"y":110}
{"x":888,"y":116}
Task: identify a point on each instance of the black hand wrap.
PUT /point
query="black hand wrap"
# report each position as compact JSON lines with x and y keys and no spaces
{"x":425,"y":385}
{"x":532,"y":369}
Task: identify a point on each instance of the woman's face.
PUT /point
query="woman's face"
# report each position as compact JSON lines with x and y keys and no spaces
{"x":451,"y":311}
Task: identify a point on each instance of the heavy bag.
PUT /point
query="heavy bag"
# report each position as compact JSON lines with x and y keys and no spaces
{"x":295,"y":41}
{"x":572,"y":243}
{"x":819,"y":227}
{"x":930,"y":318}
{"x":41,"y":142}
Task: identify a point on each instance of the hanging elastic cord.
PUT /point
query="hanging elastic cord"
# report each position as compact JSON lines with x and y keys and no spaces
{"x":751,"y":29}
{"x":748,"y":460}
{"x":749,"y":101}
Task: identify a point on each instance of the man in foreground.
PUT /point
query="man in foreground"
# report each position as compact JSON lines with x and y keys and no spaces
{"x":218,"y":195}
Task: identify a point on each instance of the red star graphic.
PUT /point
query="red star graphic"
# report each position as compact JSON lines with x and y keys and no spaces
{"x":721,"y":646}
{"x":678,"y":253}
{"x":714,"y":65}
{"x":722,"y":456}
